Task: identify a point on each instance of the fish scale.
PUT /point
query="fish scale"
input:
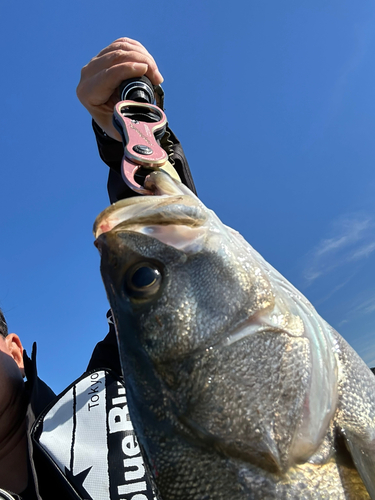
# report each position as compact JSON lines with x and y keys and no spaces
{"x":236,"y":387}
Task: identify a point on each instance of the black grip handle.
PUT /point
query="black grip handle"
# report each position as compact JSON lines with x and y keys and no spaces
{"x":137,"y":89}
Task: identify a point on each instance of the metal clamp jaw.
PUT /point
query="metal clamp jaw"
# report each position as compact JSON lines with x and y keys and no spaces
{"x":141,"y":125}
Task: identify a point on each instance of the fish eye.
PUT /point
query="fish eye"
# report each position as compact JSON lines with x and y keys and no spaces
{"x":142,"y":280}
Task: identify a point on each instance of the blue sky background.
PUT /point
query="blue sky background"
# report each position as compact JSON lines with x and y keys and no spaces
{"x":274,"y":104}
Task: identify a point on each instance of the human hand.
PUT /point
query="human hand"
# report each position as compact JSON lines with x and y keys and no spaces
{"x":98,"y":89}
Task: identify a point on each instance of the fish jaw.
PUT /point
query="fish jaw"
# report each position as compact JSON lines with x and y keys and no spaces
{"x":167,"y":191}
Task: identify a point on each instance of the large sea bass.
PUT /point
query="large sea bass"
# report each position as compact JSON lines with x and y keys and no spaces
{"x":237,"y":388}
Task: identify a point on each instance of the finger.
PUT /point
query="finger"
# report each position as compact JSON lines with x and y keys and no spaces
{"x":130,"y":40}
{"x":123,"y":43}
{"x":96,"y":90}
{"x":129,"y":46}
{"x":116,"y":57}
{"x":119,"y":56}
{"x":138,"y":47}
{"x":132,"y":46}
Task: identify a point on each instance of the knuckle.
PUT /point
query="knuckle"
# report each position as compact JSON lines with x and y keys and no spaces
{"x":120,"y":53}
{"x":84,"y":70}
{"x":123,"y":44}
{"x":122,"y":39}
{"x":122,"y":56}
{"x":117,"y":53}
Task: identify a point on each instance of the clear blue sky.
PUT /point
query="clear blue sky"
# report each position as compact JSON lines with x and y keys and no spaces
{"x":274,"y":104}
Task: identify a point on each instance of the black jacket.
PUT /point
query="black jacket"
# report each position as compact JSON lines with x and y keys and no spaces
{"x":44,"y":478}
{"x":44,"y":483}
{"x":111,"y":153}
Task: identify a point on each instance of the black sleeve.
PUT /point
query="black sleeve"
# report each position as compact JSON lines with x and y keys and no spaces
{"x":105,"y":354}
{"x":111,"y":152}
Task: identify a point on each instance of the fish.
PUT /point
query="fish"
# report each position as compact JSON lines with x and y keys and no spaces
{"x":237,"y":388}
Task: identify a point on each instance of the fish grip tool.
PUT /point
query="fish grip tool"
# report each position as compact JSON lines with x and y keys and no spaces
{"x":141,"y":125}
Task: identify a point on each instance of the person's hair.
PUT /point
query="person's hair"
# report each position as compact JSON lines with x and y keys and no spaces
{"x":3,"y":325}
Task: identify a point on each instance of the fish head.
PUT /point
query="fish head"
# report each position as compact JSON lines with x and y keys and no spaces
{"x":235,"y":352}
{"x":171,"y":272}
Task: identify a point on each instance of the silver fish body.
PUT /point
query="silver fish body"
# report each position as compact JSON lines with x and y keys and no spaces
{"x":237,"y":388}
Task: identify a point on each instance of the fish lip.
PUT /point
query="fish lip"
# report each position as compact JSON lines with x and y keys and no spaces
{"x":147,"y":210}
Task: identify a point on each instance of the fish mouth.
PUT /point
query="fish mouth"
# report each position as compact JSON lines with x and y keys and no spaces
{"x":174,"y":215}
